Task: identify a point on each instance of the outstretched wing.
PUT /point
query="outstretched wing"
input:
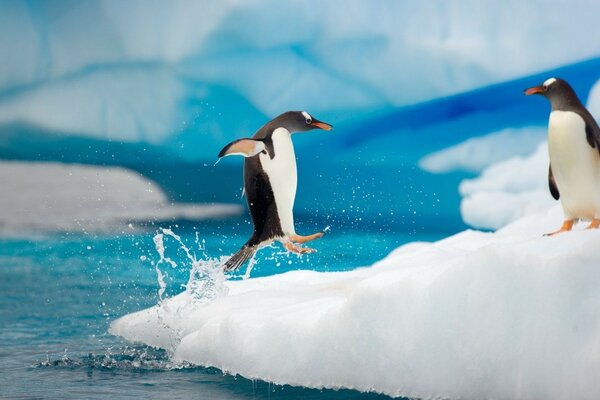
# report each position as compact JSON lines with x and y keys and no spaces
{"x":243,"y":147}
{"x":552,"y":184}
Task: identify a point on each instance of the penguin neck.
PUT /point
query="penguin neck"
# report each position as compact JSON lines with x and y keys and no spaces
{"x":567,"y":101}
{"x":283,"y":146}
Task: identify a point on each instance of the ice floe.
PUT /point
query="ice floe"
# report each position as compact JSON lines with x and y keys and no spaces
{"x":509,"y":314}
{"x":50,"y":197}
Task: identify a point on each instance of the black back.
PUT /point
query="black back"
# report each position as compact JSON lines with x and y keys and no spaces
{"x":261,"y":202}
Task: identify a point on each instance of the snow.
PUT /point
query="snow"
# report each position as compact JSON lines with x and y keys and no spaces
{"x":507,"y":191}
{"x":513,"y":175}
{"x":50,"y":197}
{"x":509,"y":314}
{"x":478,"y":153}
{"x":148,"y":71}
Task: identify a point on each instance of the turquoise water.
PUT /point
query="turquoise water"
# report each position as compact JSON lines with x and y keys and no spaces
{"x":60,"y":293}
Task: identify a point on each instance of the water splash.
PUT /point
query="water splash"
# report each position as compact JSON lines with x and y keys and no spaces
{"x":205,"y":283}
{"x":160,"y":248}
{"x":134,"y":358}
{"x":206,"y":279}
{"x":251,"y":265}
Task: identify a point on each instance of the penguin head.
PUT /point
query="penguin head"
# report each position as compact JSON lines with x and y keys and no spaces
{"x":300,"y":121}
{"x":554,"y":89}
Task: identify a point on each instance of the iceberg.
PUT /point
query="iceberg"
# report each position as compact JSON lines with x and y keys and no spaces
{"x":165,"y":74}
{"x":478,"y":153}
{"x":159,"y":88}
{"x":121,"y":105}
{"x":507,"y":191}
{"x":54,"y":197}
{"x":509,"y":314}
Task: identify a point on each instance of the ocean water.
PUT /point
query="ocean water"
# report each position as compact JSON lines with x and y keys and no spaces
{"x":60,"y":292}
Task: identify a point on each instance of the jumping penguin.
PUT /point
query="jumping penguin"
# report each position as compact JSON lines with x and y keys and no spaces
{"x":574,"y":149}
{"x":270,"y":181}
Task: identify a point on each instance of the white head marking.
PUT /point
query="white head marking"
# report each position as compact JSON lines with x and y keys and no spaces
{"x":549,"y":82}
{"x":306,"y":115}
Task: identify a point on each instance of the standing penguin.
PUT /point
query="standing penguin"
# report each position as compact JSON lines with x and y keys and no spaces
{"x":270,"y":181}
{"x":574,"y":149}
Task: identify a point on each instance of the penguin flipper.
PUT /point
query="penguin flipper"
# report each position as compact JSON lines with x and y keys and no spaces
{"x":552,"y":184}
{"x":245,"y":147}
{"x":239,"y":258}
{"x":592,"y":130}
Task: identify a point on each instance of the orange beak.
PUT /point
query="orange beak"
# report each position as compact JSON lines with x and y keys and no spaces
{"x":534,"y":90}
{"x":321,"y":125}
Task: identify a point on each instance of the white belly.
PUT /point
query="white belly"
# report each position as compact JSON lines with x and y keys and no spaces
{"x":575,"y":165}
{"x":283,"y":177}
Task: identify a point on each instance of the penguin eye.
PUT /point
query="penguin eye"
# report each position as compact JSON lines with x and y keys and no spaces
{"x":308,"y":121}
{"x":545,"y":87}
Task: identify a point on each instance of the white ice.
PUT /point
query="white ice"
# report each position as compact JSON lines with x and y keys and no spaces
{"x":513,"y":175}
{"x":478,"y":153}
{"x":50,"y":197}
{"x":508,"y":190}
{"x":504,"y":315}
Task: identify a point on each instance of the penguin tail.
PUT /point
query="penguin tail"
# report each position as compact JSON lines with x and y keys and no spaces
{"x":239,"y":258}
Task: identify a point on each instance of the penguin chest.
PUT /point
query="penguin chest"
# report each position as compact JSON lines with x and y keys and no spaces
{"x":575,"y":165}
{"x":282,"y":173}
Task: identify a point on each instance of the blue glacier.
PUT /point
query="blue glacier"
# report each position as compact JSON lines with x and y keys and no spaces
{"x":160,"y":89}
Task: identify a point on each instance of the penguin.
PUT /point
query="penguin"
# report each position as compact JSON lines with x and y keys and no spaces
{"x":270,"y":181}
{"x":574,"y":150}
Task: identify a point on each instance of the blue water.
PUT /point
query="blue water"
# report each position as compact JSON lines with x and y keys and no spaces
{"x":60,"y":293}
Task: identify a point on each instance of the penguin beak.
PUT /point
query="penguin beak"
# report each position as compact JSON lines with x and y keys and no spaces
{"x":534,"y":90}
{"x":321,"y":125}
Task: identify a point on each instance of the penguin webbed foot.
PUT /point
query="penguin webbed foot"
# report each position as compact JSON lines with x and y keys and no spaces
{"x":304,"y":239}
{"x":595,"y":224}
{"x":566,"y":226}
{"x":291,"y":247}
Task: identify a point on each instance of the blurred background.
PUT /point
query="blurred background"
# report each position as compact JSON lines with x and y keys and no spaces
{"x":115,"y":111}
{"x":112,"y":114}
